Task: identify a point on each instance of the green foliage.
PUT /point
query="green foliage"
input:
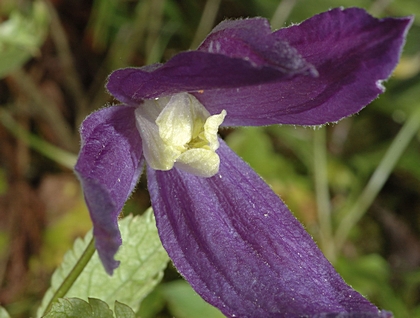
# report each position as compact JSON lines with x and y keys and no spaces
{"x":181,"y":301}
{"x":3,"y":182}
{"x":255,"y":147}
{"x":75,"y":307}
{"x":370,"y":275}
{"x":123,"y":311}
{"x":21,"y":37}
{"x":184,"y":302}
{"x":4,"y":313}
{"x":406,"y":7}
{"x":142,"y":262}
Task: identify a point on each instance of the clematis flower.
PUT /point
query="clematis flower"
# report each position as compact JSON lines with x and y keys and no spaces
{"x":226,"y":231}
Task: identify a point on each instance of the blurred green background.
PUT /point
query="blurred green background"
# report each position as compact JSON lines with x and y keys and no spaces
{"x":54,"y":60}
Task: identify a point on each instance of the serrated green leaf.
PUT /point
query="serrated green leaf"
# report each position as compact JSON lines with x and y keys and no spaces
{"x":4,"y":313}
{"x":76,"y":308}
{"x":142,"y":257}
{"x":21,"y":37}
{"x":123,"y":311}
{"x":94,"y":308}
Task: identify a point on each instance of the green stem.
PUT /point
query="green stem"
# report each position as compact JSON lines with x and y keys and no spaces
{"x":59,"y":155}
{"x":322,"y":193}
{"x":379,"y":177}
{"x":72,"y":79}
{"x":379,"y":6}
{"x":206,"y":23}
{"x":154,"y":27}
{"x":73,"y":275}
{"x":282,"y":12}
{"x":129,"y":38}
{"x":45,"y":107}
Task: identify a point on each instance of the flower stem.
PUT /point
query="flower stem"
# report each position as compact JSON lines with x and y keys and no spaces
{"x":379,"y":6}
{"x":73,"y":274}
{"x":72,"y":79}
{"x":207,"y":22}
{"x":379,"y":177}
{"x":282,"y":12}
{"x":322,"y":193}
{"x":59,"y":155}
{"x":153,"y":38}
{"x":46,"y":108}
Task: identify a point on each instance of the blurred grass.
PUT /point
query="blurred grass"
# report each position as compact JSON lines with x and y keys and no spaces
{"x":380,"y":258}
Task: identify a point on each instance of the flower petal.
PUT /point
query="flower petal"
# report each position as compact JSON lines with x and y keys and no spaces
{"x":352,"y":52}
{"x":251,"y":75}
{"x":259,"y":58}
{"x":108,"y":167}
{"x":253,"y":41}
{"x":382,"y":314}
{"x":241,"y":249}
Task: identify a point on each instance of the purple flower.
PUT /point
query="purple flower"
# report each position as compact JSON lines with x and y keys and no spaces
{"x":227,"y":233}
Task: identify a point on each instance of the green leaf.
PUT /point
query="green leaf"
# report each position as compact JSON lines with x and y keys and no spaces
{"x":142,"y":257}
{"x":184,"y":302}
{"x":75,"y":307}
{"x":4,"y":313}
{"x":123,"y":311}
{"x":96,"y":308}
{"x":21,"y":37}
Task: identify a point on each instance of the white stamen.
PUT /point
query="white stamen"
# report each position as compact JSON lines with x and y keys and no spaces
{"x":179,"y":131}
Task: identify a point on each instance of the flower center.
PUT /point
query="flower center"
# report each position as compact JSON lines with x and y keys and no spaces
{"x":179,"y":131}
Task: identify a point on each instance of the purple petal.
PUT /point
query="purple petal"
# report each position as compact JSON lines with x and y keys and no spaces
{"x":194,"y":71}
{"x":352,"y":53}
{"x":382,"y":314}
{"x":252,"y":74}
{"x":252,"y":40}
{"x":237,"y":53}
{"x":241,"y":249}
{"x":109,"y":165}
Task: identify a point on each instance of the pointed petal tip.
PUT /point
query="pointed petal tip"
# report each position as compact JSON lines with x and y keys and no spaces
{"x":110,"y":266}
{"x":106,"y":256}
{"x":105,"y":226}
